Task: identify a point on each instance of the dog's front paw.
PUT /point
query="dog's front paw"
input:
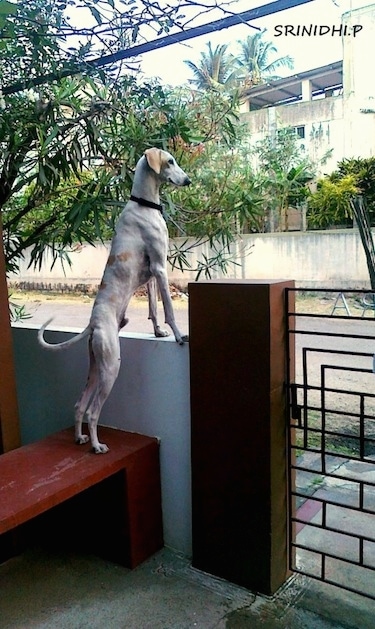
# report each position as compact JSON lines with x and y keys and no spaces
{"x":82,"y":439}
{"x":159,"y":333}
{"x":100,"y":448}
{"x":184,"y":339}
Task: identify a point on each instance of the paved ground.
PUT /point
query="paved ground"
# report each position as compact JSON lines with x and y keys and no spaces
{"x":45,"y":589}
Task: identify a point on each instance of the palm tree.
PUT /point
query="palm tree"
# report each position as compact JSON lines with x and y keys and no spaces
{"x":216,"y":69}
{"x":254,"y":60}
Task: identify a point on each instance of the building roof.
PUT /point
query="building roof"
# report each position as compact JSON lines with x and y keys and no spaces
{"x":289,"y":89}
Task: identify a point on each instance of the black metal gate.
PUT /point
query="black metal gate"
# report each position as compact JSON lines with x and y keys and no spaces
{"x":331,"y":444}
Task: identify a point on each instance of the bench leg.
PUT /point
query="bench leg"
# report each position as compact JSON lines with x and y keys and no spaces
{"x":145,"y":528}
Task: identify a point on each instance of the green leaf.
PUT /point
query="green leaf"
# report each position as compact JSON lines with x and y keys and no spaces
{"x":7,"y":8}
{"x":51,"y":136}
{"x":42,"y":176}
{"x":96,"y":15}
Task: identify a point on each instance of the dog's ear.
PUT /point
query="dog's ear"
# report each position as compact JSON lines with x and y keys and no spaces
{"x":154,"y":160}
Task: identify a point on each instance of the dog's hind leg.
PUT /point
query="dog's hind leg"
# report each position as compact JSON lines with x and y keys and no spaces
{"x":83,"y":402}
{"x":106,"y":349}
{"x":152,"y":308}
{"x":93,"y":412}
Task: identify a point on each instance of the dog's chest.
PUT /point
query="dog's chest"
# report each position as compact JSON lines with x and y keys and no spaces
{"x":140,"y":241}
{"x":142,"y":231}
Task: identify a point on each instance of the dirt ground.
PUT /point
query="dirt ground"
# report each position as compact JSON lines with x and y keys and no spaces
{"x":32,"y":298}
{"x":335,"y":361}
{"x":305,"y":302}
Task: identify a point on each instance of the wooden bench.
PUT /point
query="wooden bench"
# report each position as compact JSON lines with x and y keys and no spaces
{"x":107,"y":504}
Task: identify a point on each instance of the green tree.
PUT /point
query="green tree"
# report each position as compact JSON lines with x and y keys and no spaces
{"x":363,"y":172}
{"x":253,"y":63}
{"x":256,"y":60}
{"x":284,"y":172}
{"x":73,"y":174}
{"x":346,"y":194}
{"x":216,"y":69}
{"x":68,"y":148}
{"x":330,"y":204}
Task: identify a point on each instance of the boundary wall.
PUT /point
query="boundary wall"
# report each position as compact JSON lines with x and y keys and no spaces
{"x":320,"y":259}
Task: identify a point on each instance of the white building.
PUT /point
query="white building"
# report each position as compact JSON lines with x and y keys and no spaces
{"x":331,"y":108}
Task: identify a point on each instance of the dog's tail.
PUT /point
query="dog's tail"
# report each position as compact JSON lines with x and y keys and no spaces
{"x":65,"y":344}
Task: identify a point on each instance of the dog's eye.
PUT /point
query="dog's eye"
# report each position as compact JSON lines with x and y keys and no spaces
{"x":170,"y":161}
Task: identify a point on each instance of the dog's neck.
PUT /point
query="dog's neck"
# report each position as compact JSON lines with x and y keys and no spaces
{"x":146,"y":183}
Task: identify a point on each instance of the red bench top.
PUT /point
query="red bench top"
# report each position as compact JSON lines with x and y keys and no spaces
{"x":39,"y":476}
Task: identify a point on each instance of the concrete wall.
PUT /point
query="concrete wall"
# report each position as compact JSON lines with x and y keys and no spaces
{"x":323,"y":120}
{"x":324,"y":259}
{"x":327,"y":259}
{"x":359,"y":87}
{"x":151,"y":396}
{"x":331,"y":259}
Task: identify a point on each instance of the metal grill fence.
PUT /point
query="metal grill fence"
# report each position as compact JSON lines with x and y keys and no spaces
{"x":331,"y":440}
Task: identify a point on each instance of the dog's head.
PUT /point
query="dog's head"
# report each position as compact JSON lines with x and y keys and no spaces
{"x":166,"y":167}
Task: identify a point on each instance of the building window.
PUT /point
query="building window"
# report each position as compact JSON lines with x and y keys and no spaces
{"x":300,"y":132}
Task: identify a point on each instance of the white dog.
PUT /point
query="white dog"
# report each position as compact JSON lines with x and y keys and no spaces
{"x":138,"y":256}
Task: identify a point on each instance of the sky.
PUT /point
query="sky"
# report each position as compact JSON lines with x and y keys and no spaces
{"x":307,"y":51}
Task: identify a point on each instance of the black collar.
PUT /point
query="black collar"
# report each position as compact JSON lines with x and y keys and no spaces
{"x":154,"y":206}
